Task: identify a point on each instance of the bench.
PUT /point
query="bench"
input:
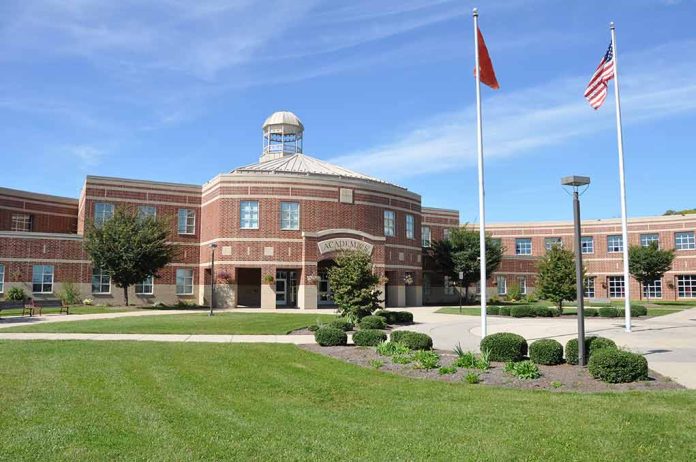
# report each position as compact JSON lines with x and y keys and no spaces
{"x":53,"y":303}
{"x":14,"y":304}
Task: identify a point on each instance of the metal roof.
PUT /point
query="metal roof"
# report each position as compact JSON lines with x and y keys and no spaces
{"x":283,"y":118}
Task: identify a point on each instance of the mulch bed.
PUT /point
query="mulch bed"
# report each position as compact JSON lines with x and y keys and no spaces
{"x":560,"y":378}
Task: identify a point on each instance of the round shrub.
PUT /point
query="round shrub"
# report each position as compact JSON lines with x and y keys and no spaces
{"x":369,"y":337}
{"x":313,"y":328}
{"x":504,"y":346}
{"x":522,"y":312}
{"x":493,"y":310}
{"x":505,"y":311}
{"x":330,"y":336}
{"x":390,"y":317}
{"x":412,"y":340}
{"x":591,"y":312}
{"x":543,"y":311}
{"x":546,"y":351}
{"x":341,"y":323}
{"x":592,"y":345}
{"x":404,"y":317}
{"x":616,"y":366}
{"x":372,"y":322}
{"x":608,"y":312}
{"x":638,"y":310}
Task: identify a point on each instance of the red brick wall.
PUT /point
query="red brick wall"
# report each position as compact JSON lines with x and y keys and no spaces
{"x":50,"y":214}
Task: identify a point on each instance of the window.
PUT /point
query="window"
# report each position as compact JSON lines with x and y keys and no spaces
{"x":101,"y":282}
{"x":647,"y":239}
{"x":587,"y":244}
{"x":42,"y":279}
{"x":522,"y":283}
{"x":426,"y":286}
{"x":389,"y":226}
{"x":502,"y":285}
{"x":147,"y":286}
{"x":147,"y":211}
{"x":445,"y":234}
{"x":686,"y":286}
{"x":2,"y":279}
{"x":614,"y":244}
{"x":184,"y":281}
{"x":187,"y":221}
{"x":550,"y":242}
{"x":249,"y":215}
{"x":589,"y":287}
{"x":410,"y":227}
{"x":289,"y":215}
{"x":449,"y":286}
{"x":523,"y":246}
{"x":425,"y":236}
{"x":684,"y":241}
{"x":21,"y":222}
{"x":616,"y":286}
{"x":653,"y":289}
{"x":102,"y":213}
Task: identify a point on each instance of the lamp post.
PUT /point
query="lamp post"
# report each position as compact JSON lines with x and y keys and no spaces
{"x":212,"y":246}
{"x":575,"y":182}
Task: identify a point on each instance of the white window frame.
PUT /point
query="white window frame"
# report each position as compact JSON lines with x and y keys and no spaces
{"x":147,"y":211}
{"x":43,"y":282}
{"x":446,"y":234}
{"x":140,"y":288}
{"x":501,"y":285}
{"x":522,"y":283}
{"x":684,"y":240}
{"x":648,"y":238}
{"x":523,"y":246}
{"x":549,"y":242}
{"x":186,"y":222}
{"x":2,"y":278}
{"x":249,"y":215}
{"x":103,"y":211}
{"x":22,"y":222}
{"x":613,"y":247}
{"x":183,"y":275}
{"x":686,"y":286}
{"x":98,"y":278}
{"x":616,"y":287}
{"x":426,"y":236}
{"x":589,"y":287}
{"x":410,"y":226}
{"x":289,"y":216}
{"x":587,"y":245}
{"x":389,"y":223}
{"x":652,"y":289}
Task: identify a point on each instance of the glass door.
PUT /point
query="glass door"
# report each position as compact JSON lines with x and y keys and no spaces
{"x":281,"y":288}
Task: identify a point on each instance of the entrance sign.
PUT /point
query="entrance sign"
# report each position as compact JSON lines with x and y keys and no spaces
{"x":344,"y":243}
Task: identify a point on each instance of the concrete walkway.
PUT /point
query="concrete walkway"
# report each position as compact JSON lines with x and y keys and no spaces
{"x":291,"y":339}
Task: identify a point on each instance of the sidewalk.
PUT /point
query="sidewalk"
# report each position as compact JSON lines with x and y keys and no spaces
{"x":290,"y":339}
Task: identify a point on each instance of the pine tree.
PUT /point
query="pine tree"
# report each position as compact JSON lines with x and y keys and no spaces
{"x":354,"y":285}
{"x":556,"y":278}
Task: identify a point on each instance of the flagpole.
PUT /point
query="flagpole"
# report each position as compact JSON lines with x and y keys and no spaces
{"x":482,"y":207}
{"x":622,"y":180}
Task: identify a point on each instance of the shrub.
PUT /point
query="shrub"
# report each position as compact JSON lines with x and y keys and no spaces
{"x":504,"y":311}
{"x":372,"y":322}
{"x":404,"y":317}
{"x":466,"y":360}
{"x":591,"y":312}
{"x":389,"y":316}
{"x":446,"y":370}
{"x":546,"y":351}
{"x":616,"y":366}
{"x":608,"y":312}
{"x":341,"y":323}
{"x":402,"y":358}
{"x":544,"y":311}
{"x":472,"y":378}
{"x":412,"y":340}
{"x":504,"y":346}
{"x":16,"y":294}
{"x":369,"y":337}
{"x":376,"y":363}
{"x":592,"y":345}
{"x":330,"y":336}
{"x":313,"y":327}
{"x":88,"y":302}
{"x":523,"y":369}
{"x":522,"y":312}
{"x":391,"y":348}
{"x":426,"y":359}
{"x":69,"y":294}
{"x":514,"y":293}
{"x":493,"y":310}
{"x":638,"y":310}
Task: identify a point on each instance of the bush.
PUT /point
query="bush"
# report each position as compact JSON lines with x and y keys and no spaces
{"x":592,"y":345}
{"x":638,"y":310}
{"x":608,"y":312}
{"x":389,"y":316}
{"x":412,"y":340}
{"x":391,"y":349}
{"x":341,"y":323}
{"x":404,"y":317}
{"x":591,"y":312}
{"x":369,"y":337}
{"x":330,"y":336}
{"x":313,"y":327}
{"x":616,"y":366}
{"x":16,"y":294}
{"x":427,"y":359}
{"x":493,"y":310}
{"x":472,"y":378}
{"x":446,"y":370}
{"x":514,"y":293}
{"x":544,"y":311}
{"x":504,"y":311}
{"x":546,"y":351}
{"x":372,"y":322}
{"x":504,"y":346}
{"x":522,"y":312}
{"x":70,"y":294}
{"x":523,"y":369}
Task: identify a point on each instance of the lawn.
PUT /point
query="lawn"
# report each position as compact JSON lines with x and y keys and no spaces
{"x":80,"y":309}
{"x":570,"y":310}
{"x":198,"y":323}
{"x":73,"y":401}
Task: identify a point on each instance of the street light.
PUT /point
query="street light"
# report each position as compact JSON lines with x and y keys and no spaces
{"x":575,"y":182}
{"x":212,"y":246}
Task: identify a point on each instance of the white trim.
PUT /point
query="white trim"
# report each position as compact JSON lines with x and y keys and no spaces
{"x":34,"y":235}
{"x":284,"y":198}
{"x":39,"y":212}
{"x":131,"y":201}
{"x":385,"y":206}
{"x":327,"y":232}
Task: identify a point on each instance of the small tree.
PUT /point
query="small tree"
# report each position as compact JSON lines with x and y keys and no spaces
{"x":70,"y":294}
{"x":354,"y":285}
{"x":648,"y":264}
{"x":556,"y":277}
{"x":129,"y":248}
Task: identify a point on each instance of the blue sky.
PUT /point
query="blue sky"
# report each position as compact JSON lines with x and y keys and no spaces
{"x":175,"y":90}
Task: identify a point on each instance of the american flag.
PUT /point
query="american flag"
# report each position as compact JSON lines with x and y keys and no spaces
{"x":596,"y":91}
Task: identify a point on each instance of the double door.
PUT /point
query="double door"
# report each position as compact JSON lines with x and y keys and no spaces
{"x":286,"y":288}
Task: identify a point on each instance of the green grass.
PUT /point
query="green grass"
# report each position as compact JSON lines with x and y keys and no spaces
{"x":123,"y":401}
{"x":81,"y":309}
{"x":569,"y":310}
{"x":221,"y":323}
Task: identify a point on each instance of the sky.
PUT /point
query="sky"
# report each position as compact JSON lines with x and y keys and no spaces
{"x":177,"y":91}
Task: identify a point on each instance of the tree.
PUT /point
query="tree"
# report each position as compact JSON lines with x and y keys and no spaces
{"x":129,"y":248}
{"x":680,"y":212}
{"x":460,"y":253}
{"x":648,"y":264}
{"x":556,"y":277}
{"x":354,"y":285}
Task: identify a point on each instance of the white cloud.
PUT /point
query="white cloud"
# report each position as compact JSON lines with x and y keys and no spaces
{"x":86,"y":156}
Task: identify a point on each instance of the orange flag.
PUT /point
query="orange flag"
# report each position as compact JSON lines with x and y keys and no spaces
{"x":485,"y":64}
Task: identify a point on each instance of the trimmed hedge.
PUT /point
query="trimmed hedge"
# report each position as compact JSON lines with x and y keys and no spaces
{"x":638,"y":310}
{"x":591,"y":312}
{"x":389,"y":316}
{"x":395,"y":317}
{"x":544,"y":311}
{"x":493,"y":310}
{"x":330,"y":336}
{"x":372,"y":322}
{"x":369,"y":337}
{"x":608,"y":312}
{"x":522,"y":312}
{"x":412,"y":340}
{"x":504,"y":346}
{"x":546,"y":351}
{"x":341,"y":323}
{"x":592,"y":345}
{"x":616,"y":366}
{"x":504,"y":311}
